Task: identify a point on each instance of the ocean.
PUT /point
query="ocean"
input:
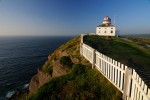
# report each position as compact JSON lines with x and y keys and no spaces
{"x":19,"y":59}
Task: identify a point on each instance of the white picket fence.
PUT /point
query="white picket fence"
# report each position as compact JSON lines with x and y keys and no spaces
{"x":121,"y":76}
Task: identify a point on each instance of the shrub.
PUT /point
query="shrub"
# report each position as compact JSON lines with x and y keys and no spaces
{"x":50,"y":70}
{"x":66,"y":61}
{"x":78,"y":69}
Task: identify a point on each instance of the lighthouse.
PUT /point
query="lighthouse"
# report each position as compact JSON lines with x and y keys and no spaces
{"x":106,"y":28}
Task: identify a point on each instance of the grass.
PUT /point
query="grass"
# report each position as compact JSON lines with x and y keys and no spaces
{"x":81,"y":83}
{"x":140,"y":40}
{"x":128,"y":53}
{"x":48,"y":68}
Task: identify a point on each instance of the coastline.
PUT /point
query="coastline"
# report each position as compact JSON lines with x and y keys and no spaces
{"x":18,"y":93}
{"x":20,"y":58}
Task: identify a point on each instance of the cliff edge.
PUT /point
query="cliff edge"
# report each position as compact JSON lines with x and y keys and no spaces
{"x":52,"y":67}
{"x":67,"y":75}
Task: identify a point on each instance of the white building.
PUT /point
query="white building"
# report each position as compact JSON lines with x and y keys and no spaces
{"x":106,"y":29}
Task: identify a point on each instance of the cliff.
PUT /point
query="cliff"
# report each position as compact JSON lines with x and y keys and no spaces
{"x":67,"y":75}
{"x":44,"y":76}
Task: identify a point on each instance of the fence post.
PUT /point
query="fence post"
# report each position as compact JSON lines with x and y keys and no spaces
{"x":82,"y":38}
{"x":93,"y":58}
{"x":81,"y":43}
{"x":148,"y":93}
{"x":81,"y":49}
{"x":127,"y":83}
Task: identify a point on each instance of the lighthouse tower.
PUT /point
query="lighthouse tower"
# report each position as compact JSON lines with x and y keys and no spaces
{"x":106,"y":29}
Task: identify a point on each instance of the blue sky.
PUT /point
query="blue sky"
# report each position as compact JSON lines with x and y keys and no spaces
{"x":72,"y":17}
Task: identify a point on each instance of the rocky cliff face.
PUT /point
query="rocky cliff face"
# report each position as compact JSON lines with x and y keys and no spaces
{"x":43,"y":76}
{"x":38,"y":80}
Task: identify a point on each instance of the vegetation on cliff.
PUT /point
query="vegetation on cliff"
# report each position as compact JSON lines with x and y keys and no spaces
{"x":79,"y":82}
{"x":66,"y":61}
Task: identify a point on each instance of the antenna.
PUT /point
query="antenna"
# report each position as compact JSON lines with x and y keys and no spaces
{"x":117,"y":32}
{"x":114,"y":20}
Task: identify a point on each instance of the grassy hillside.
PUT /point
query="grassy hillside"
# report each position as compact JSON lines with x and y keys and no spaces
{"x":140,"y":41}
{"x":126,"y":52}
{"x":138,"y":35}
{"x":81,"y":82}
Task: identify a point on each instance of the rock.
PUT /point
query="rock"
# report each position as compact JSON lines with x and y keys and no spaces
{"x":59,"y":70}
{"x":75,"y":60}
{"x":37,"y":81}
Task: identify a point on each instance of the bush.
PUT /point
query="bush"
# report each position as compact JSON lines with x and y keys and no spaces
{"x":50,"y":70}
{"x":78,"y":69}
{"x":66,"y":61}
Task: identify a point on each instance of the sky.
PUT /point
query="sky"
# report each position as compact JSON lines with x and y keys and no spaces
{"x":72,"y":17}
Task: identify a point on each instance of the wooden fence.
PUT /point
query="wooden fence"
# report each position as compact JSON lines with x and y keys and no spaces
{"x":121,"y":76}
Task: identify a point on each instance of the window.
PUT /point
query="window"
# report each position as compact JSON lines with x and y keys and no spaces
{"x":111,"y":31}
{"x":99,"y":28}
{"x":104,"y":31}
{"x":111,"y":28}
{"x":99,"y":31}
{"x":105,"y":28}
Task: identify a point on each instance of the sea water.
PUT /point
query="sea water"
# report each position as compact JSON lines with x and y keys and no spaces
{"x":19,"y":59}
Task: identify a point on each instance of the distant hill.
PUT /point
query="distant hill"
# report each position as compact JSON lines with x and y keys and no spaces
{"x":137,"y":35}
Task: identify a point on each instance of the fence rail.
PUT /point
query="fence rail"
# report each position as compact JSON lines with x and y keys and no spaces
{"x":121,"y":76}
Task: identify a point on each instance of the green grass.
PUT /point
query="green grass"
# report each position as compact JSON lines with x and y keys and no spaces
{"x":140,"y":40}
{"x":128,"y":53}
{"x":81,"y":83}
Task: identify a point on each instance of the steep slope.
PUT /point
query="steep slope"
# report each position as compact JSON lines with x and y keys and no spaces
{"x":61,"y":78}
{"x":79,"y":81}
{"x":52,"y":67}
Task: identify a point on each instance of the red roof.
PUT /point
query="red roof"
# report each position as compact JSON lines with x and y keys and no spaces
{"x":107,"y":18}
